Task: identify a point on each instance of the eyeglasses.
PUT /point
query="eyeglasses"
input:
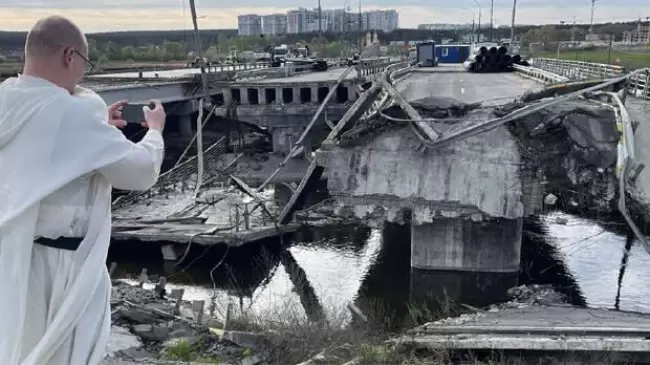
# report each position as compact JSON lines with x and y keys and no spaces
{"x":88,"y":66}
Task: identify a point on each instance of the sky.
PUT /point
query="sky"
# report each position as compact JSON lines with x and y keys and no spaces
{"x":119,"y":15}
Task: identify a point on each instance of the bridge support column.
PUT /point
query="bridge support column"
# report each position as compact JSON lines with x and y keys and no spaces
{"x":314,"y":95}
{"x":465,"y":261}
{"x":185,"y":127}
{"x":227,"y":96}
{"x":278,"y":96}
{"x":352,"y":93}
{"x":261,"y":96}
{"x":296,"y":95}
{"x":243,"y":94}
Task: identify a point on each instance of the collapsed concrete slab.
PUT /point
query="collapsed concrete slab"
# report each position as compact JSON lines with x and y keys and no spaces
{"x":467,"y":199}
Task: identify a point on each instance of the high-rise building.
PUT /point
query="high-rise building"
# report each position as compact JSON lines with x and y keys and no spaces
{"x":274,"y":24}
{"x":336,"y":20}
{"x":249,"y":24}
{"x":384,"y":20}
{"x":294,"y":21}
{"x":304,"y":20}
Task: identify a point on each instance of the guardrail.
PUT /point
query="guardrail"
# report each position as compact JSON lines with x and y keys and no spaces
{"x":638,"y":84}
{"x":538,"y":74}
{"x":366,"y":67}
{"x":578,"y":70}
{"x":372,"y":66}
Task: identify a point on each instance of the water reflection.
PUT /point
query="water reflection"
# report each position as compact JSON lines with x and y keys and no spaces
{"x":318,"y":271}
{"x":594,"y":254}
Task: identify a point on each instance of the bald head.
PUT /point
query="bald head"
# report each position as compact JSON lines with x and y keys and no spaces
{"x":51,"y":35}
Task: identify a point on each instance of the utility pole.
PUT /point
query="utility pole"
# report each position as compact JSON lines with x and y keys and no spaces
{"x":591,"y":22}
{"x":320,"y":21}
{"x":360,"y":30}
{"x":199,"y":52}
{"x":512,"y":26}
{"x":478,"y":30}
{"x":609,"y":52}
{"x":492,"y":21}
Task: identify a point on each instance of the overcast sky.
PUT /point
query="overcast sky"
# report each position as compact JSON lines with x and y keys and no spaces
{"x":115,"y":15}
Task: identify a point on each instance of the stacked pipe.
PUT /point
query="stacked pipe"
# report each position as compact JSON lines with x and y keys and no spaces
{"x":493,"y":59}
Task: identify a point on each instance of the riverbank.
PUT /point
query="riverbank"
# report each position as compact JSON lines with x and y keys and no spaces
{"x":152,"y":327}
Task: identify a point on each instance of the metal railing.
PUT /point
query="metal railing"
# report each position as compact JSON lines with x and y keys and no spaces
{"x":639,"y":80}
{"x":182,"y":177}
{"x":539,"y":74}
{"x":639,"y":84}
{"x":365,"y":68}
{"x":373,"y":66}
{"x":578,"y":70}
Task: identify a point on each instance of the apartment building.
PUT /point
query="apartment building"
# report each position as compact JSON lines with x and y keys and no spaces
{"x":249,"y":24}
{"x":303,"y":20}
{"x":641,"y":35}
{"x":274,"y":24}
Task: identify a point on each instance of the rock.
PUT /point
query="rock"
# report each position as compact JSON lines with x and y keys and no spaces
{"x":561,"y":220}
{"x":152,"y":332}
{"x":134,"y":353}
{"x":121,"y":339}
{"x":245,"y":339}
{"x":533,"y":295}
{"x":550,"y":199}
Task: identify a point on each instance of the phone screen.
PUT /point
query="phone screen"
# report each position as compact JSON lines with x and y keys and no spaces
{"x":132,"y":113}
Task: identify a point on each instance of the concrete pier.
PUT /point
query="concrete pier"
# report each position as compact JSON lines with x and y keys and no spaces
{"x":463,"y":260}
{"x":465,"y":201}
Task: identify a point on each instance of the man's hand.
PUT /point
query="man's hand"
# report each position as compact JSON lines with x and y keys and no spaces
{"x":154,"y":118}
{"x":115,"y":114}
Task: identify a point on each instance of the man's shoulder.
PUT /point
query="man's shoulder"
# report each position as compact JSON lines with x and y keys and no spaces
{"x":86,"y":108}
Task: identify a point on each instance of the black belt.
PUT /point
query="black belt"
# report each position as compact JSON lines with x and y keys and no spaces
{"x":62,"y":243}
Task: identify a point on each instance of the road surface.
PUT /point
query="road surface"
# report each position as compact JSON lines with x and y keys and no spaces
{"x":454,"y":82}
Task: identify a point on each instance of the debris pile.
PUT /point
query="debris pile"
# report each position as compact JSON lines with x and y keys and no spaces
{"x":524,"y":295}
{"x":163,"y":327}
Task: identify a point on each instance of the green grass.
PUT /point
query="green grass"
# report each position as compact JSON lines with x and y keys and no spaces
{"x":185,"y":352}
{"x":630,"y":60}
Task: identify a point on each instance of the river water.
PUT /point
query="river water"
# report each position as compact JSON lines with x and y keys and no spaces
{"x":324,"y":269}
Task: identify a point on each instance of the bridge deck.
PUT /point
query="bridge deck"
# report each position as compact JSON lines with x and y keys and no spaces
{"x":539,"y":328}
{"x":454,"y":82}
{"x":161,"y":74}
{"x":331,"y":74}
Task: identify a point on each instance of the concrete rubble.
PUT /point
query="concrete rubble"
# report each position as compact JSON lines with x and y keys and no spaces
{"x":490,"y":175}
{"x":148,"y":326}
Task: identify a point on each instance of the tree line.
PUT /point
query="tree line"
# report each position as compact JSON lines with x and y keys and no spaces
{"x":176,"y":44}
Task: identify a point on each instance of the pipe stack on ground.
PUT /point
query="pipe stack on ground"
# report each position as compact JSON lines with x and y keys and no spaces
{"x":493,"y":59}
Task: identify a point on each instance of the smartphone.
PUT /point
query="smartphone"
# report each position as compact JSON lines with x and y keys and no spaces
{"x":133,"y":113}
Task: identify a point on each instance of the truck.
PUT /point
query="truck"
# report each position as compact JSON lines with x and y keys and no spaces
{"x":280,"y":52}
{"x":426,"y":54}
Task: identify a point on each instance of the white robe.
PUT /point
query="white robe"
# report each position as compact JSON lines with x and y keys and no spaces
{"x":58,"y":159}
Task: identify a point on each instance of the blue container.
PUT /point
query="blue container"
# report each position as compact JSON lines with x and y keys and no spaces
{"x":452,"y":53}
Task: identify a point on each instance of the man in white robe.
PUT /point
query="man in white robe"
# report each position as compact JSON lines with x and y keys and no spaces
{"x":60,"y":153}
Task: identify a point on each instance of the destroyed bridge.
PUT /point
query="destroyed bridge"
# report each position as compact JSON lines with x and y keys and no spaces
{"x":462,"y":157}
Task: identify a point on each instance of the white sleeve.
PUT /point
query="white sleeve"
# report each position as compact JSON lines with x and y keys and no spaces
{"x":139,"y":170}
